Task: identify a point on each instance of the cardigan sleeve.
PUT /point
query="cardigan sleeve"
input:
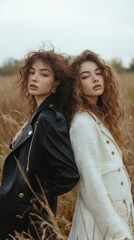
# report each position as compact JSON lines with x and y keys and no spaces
{"x":84,"y":138}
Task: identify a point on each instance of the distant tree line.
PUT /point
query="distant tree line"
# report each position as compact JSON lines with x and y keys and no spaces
{"x":118,"y":65}
{"x":11,"y":66}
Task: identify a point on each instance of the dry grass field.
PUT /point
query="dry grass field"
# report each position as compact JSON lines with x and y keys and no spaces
{"x":13,"y":113}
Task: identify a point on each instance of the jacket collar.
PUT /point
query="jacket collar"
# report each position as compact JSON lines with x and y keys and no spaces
{"x":48,"y":102}
{"x":103,"y":128}
{"x":28,"y":131}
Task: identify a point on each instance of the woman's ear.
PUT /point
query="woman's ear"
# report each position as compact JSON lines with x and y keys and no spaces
{"x":55,"y":85}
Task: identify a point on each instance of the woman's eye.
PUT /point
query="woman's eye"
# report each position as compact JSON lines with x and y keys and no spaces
{"x":44,"y":75}
{"x":99,"y":73}
{"x":84,"y":77}
{"x":31,"y":72}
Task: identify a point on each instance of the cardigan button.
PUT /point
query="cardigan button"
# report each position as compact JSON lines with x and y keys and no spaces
{"x":122,"y":183}
{"x":21,"y":195}
{"x":107,"y":141}
{"x":119,"y":169}
{"x":112,"y":152}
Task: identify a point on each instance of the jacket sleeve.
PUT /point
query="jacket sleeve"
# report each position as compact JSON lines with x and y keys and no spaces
{"x":60,"y":159}
{"x":84,"y":138}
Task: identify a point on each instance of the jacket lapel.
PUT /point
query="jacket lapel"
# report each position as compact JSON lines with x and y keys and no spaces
{"x":27,"y":133}
{"x":29,"y":129}
{"x":103,"y":129}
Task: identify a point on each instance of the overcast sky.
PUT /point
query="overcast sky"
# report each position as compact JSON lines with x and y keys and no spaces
{"x":104,"y":26}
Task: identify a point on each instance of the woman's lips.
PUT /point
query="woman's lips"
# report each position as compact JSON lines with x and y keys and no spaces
{"x":33,"y":87}
{"x":98,"y":86}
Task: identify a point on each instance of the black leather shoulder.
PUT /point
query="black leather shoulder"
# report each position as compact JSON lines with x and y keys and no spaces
{"x":52,"y":114}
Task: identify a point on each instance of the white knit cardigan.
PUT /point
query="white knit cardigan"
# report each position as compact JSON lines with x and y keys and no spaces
{"x":104,"y":207}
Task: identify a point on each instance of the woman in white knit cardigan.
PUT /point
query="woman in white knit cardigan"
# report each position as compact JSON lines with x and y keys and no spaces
{"x":104,"y":206}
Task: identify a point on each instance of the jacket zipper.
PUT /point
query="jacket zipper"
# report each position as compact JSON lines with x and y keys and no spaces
{"x":27,"y":168}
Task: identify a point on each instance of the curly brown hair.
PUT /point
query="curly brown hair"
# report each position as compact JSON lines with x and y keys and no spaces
{"x":108,"y":107}
{"x":59,"y":64}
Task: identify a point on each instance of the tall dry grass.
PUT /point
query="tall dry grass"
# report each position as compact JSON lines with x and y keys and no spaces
{"x":13,"y":113}
{"x":126,"y":83}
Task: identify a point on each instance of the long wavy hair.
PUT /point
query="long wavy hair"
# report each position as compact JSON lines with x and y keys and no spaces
{"x":59,"y":64}
{"x":108,"y":107}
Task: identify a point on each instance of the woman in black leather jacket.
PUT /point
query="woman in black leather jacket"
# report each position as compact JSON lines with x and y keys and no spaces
{"x":42,"y":154}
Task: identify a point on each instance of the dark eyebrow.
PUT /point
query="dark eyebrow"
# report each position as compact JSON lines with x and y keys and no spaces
{"x":42,"y":69}
{"x":84,"y":72}
{"x":89,"y":71}
{"x":98,"y":69}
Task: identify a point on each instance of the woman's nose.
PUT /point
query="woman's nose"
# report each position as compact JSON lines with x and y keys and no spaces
{"x":34,"y":77}
{"x":95,"y":79}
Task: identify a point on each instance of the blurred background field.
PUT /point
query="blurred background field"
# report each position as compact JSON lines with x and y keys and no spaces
{"x":13,"y":113}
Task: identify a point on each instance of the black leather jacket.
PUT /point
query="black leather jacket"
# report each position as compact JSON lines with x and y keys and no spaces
{"x":43,"y":150}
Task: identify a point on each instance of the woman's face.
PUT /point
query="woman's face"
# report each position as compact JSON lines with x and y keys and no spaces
{"x":41,"y":81}
{"x":91,"y":81}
